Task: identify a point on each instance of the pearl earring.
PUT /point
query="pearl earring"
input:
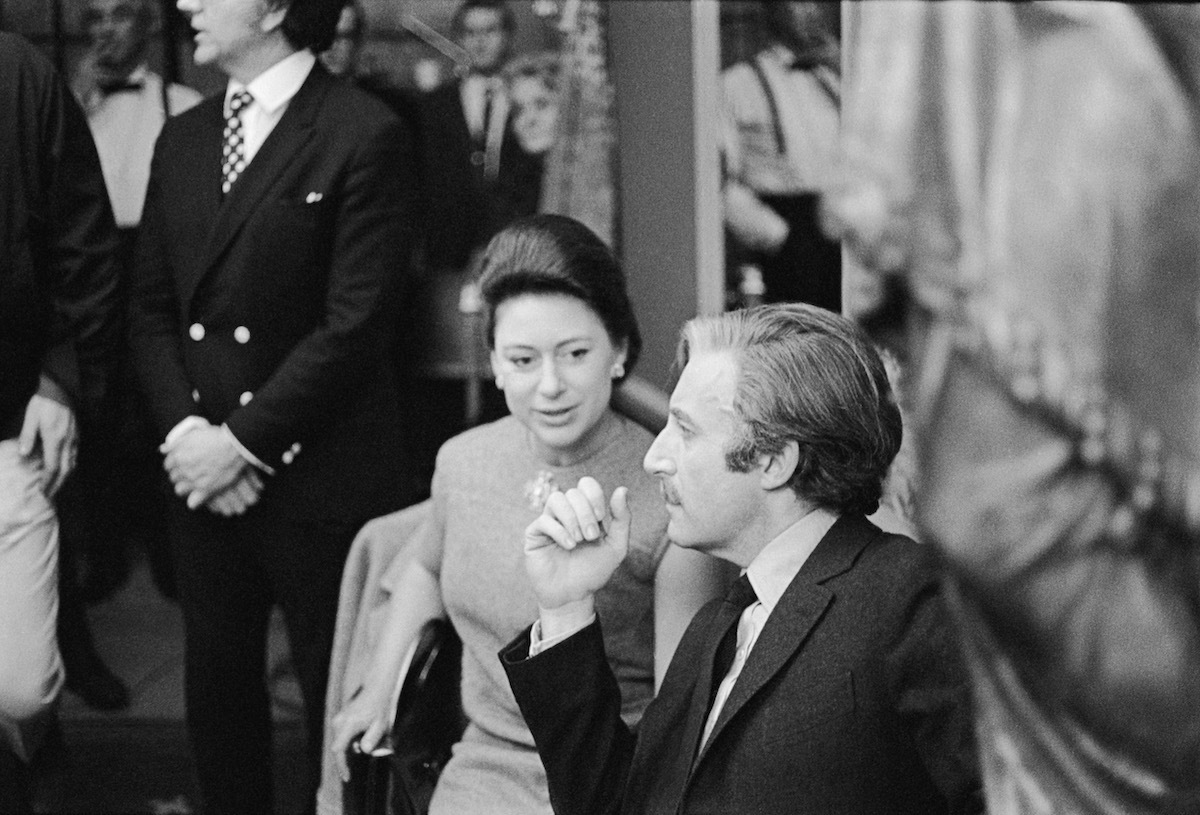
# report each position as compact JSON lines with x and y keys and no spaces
{"x":500,"y":381}
{"x":618,"y":370}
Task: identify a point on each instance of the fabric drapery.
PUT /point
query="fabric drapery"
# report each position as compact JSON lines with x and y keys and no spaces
{"x":1033,"y":171}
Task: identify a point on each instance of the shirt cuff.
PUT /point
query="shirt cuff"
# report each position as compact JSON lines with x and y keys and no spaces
{"x":246,"y":454}
{"x":188,"y":424}
{"x":537,"y":644}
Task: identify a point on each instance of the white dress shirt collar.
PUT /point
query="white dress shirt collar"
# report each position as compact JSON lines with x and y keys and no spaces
{"x":769,"y":573}
{"x":272,"y":92}
{"x":774,"y":568}
{"x":138,"y":75}
{"x":275,"y":87}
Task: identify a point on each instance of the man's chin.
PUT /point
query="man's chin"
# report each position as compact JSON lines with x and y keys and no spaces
{"x":682,"y":537}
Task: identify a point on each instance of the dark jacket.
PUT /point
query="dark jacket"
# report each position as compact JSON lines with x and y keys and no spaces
{"x":271,"y":310}
{"x":58,"y":277}
{"x":854,"y":700}
{"x":463,"y":209}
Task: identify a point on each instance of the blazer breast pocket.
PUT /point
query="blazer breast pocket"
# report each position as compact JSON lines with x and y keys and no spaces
{"x":815,"y":703}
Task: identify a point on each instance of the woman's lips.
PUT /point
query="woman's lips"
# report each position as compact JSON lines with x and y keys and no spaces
{"x":556,"y":415}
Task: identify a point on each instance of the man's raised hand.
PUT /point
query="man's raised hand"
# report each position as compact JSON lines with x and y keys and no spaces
{"x":574,"y":546}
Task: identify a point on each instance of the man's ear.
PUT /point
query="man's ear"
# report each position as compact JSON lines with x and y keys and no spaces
{"x":778,"y":467}
{"x":272,"y":18}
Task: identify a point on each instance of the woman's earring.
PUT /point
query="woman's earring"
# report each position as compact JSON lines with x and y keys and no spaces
{"x":618,"y":370}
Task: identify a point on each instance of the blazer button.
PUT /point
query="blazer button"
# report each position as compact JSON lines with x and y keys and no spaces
{"x":196,"y":397}
{"x":241,"y":334}
{"x":196,"y":332}
{"x":288,"y":456}
{"x":477,"y":158}
{"x":245,"y":398}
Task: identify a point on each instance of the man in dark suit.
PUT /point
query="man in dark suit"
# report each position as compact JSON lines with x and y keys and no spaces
{"x":58,"y":338}
{"x":476,"y":180}
{"x":273,"y":242}
{"x":829,"y":680}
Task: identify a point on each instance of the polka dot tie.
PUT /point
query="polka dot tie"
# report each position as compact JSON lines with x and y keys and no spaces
{"x":233,"y":159}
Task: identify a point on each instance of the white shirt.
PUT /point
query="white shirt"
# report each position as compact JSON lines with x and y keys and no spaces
{"x":272,"y":90}
{"x":125,"y":126}
{"x":807,"y":105}
{"x":770,"y":573}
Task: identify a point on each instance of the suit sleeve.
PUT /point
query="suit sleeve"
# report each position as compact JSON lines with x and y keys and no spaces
{"x":572,"y":704}
{"x":80,"y":240}
{"x":368,"y":263}
{"x":930,"y":688}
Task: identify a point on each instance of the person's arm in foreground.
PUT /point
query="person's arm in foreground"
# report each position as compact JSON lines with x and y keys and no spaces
{"x":567,"y":692}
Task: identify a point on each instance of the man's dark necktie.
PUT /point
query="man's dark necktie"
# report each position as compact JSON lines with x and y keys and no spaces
{"x":741,"y":595}
{"x":489,"y":94}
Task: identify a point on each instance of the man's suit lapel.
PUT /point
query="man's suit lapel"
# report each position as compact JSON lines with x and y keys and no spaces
{"x":704,"y":688}
{"x":276,"y":153}
{"x":200,"y":182}
{"x":798,"y":611}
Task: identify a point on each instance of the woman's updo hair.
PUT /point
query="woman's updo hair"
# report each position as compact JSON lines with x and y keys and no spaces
{"x":554,"y":254}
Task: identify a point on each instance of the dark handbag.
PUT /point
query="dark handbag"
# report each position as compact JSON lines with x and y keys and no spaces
{"x":399,"y":776}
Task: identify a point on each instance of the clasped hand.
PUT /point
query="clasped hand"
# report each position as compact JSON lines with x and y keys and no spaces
{"x":50,"y":429}
{"x":205,"y":467}
{"x":574,"y":546}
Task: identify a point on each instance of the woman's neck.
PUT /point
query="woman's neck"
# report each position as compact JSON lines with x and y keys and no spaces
{"x":599,"y":436}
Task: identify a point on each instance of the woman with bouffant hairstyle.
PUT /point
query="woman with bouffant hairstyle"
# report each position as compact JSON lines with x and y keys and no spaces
{"x":562,"y":335}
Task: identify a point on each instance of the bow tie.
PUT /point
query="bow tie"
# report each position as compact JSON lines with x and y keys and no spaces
{"x":108,"y":88}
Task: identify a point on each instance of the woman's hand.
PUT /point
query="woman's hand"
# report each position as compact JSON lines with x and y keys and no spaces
{"x":367,"y":714}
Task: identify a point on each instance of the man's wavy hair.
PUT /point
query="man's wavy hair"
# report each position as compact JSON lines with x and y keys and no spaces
{"x":310,"y":23}
{"x":810,"y":376}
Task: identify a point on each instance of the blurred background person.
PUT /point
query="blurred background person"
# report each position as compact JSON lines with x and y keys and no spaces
{"x":341,"y":57}
{"x":126,"y":104}
{"x":477,"y":179}
{"x":58,"y":333}
{"x":780,"y":148}
{"x":562,"y":336}
{"x":533,"y":87}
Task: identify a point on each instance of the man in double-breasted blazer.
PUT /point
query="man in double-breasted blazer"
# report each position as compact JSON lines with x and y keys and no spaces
{"x":829,"y":680}
{"x":274,"y":244}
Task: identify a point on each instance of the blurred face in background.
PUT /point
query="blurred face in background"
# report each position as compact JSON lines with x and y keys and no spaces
{"x":339,"y":59}
{"x":484,"y":38}
{"x":555,"y":361}
{"x":118,"y":31}
{"x":535,"y":117}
